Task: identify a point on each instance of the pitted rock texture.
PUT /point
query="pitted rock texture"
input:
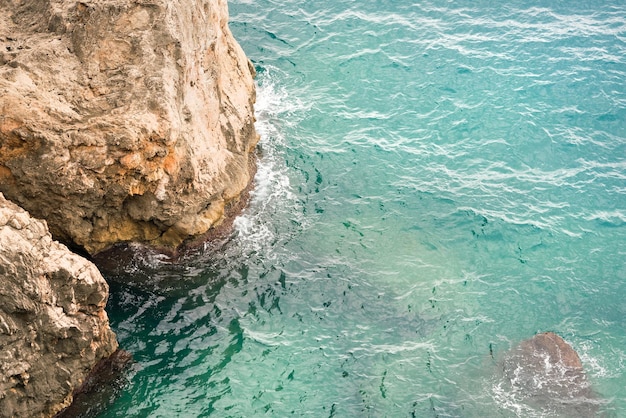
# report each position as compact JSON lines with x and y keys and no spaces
{"x":124,"y":120}
{"x":53,"y":327}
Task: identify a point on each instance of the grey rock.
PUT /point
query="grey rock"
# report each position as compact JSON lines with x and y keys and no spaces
{"x":53,"y":327}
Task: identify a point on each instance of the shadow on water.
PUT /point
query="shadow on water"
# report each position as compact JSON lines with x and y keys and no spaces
{"x":145,"y":268}
{"x":157,"y":302}
{"x":185,"y":320}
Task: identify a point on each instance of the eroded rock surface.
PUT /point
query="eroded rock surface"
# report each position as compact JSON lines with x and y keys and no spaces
{"x":53,"y":327}
{"x":123,"y":120}
{"x":545,"y":375}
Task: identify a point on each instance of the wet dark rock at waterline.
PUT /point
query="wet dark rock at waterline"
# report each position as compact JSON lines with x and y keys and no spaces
{"x":100,"y":388}
{"x":545,"y":375}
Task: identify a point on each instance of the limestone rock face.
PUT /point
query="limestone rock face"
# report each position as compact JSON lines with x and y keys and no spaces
{"x":123,"y":120}
{"x":546,"y":374}
{"x":53,"y":327}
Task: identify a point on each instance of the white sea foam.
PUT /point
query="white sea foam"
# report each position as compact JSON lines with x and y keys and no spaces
{"x":507,"y":399}
{"x":612,"y":218}
{"x":595,"y":365}
{"x":275,"y":110}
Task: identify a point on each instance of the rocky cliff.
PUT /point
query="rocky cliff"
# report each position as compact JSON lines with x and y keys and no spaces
{"x":123,"y":120}
{"x":53,"y":327}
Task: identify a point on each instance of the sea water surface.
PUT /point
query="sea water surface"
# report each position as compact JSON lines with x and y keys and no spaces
{"x":438,"y":181}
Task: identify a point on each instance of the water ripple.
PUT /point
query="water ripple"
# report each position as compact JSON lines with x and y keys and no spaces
{"x":437,"y":182}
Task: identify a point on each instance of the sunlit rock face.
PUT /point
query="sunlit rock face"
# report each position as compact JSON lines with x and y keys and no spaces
{"x":124,"y":120}
{"x":53,"y":327}
{"x":543,"y":376}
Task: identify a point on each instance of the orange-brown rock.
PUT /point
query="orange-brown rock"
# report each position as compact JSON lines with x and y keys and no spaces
{"x":123,"y":120}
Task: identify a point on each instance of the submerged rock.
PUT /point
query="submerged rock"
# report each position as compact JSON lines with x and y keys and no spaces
{"x":545,"y":374}
{"x":124,"y":120}
{"x":53,"y":327}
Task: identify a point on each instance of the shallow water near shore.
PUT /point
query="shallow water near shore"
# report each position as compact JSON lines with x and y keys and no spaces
{"x":437,"y":182}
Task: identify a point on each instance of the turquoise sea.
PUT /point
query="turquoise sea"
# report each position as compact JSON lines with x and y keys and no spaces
{"x":438,"y":181}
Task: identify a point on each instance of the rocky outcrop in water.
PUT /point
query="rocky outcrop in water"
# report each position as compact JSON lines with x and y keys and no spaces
{"x":53,"y":327}
{"x":545,"y":374}
{"x":123,"y":120}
